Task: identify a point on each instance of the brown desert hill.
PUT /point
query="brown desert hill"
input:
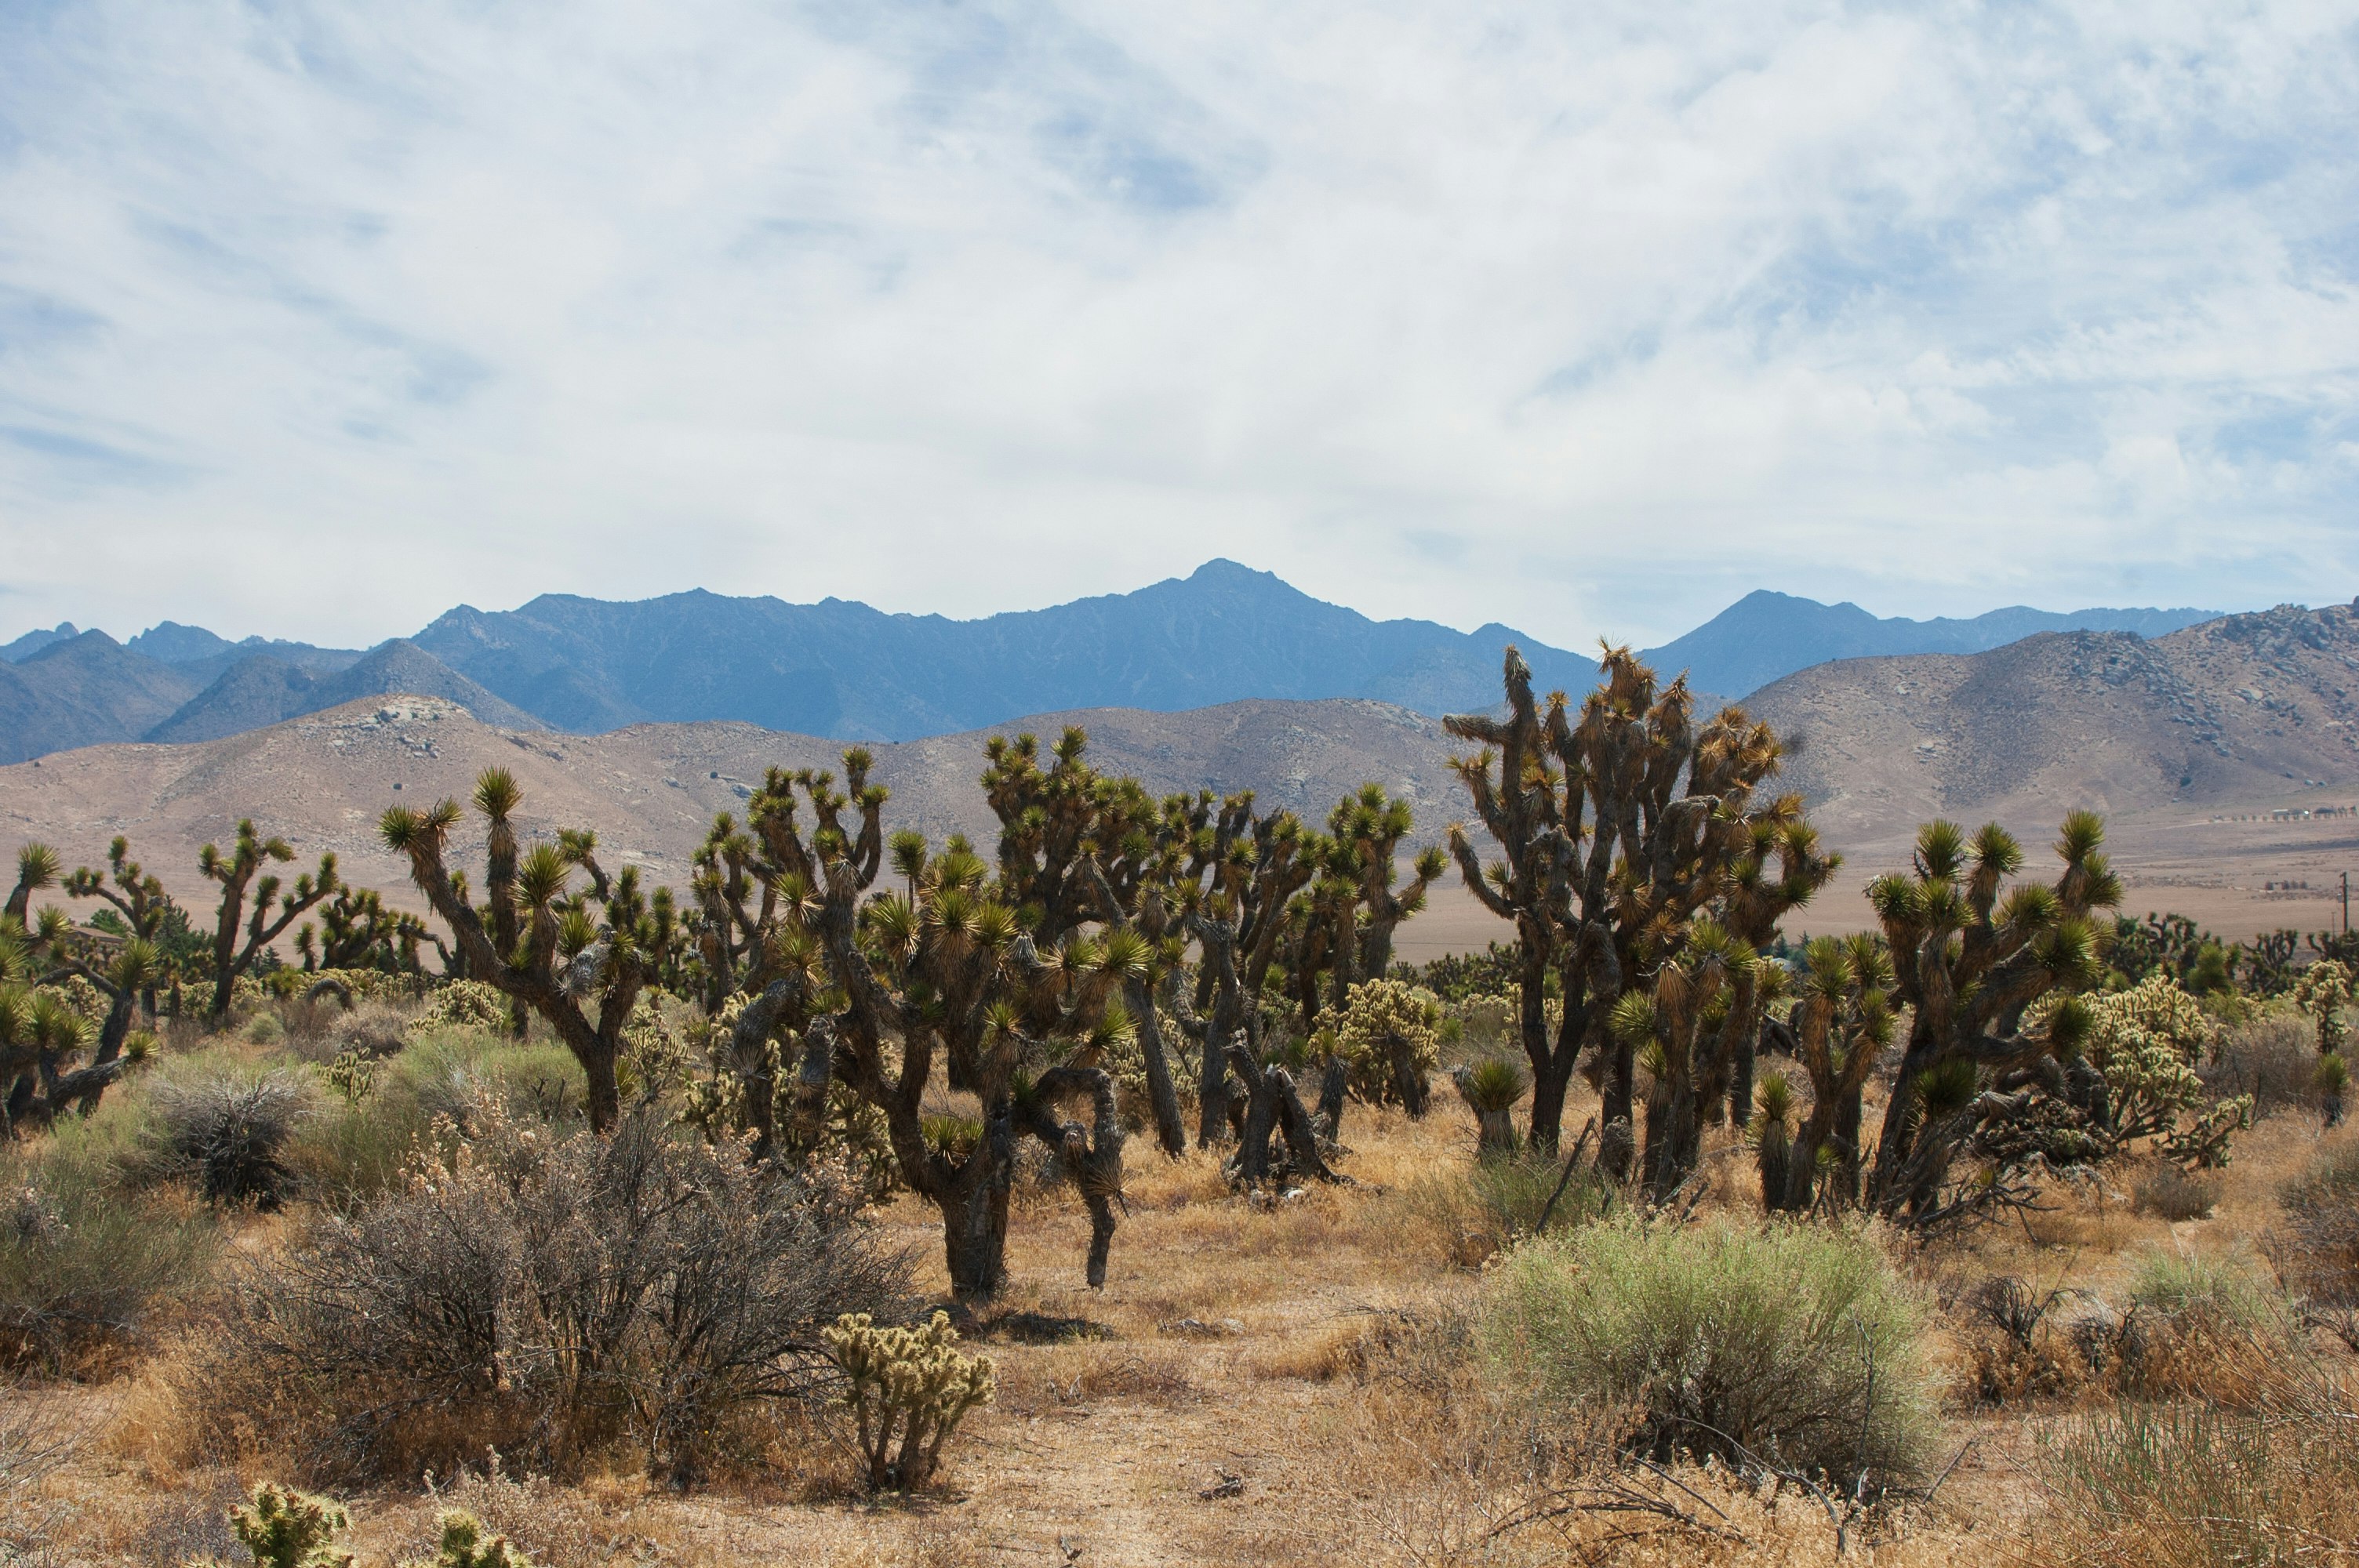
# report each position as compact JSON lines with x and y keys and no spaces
{"x":2235,"y":712}
{"x":651,"y":791}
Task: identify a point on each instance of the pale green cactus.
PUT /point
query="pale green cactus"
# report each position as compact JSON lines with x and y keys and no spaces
{"x":912,"y":1381}
{"x":464,"y":1545}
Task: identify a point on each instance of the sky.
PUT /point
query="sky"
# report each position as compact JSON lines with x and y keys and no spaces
{"x":317,"y":318}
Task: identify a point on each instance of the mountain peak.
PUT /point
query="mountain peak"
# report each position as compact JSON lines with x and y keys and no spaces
{"x":1766,"y":635}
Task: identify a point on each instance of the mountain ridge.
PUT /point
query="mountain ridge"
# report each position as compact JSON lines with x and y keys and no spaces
{"x":847,"y":670}
{"x":1768,"y":635}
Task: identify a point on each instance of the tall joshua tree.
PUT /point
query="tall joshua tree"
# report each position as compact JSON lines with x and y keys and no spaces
{"x":1077,"y":847}
{"x":1968,"y":961}
{"x":945,"y":973}
{"x":561,"y":957}
{"x":273,"y":912}
{"x":1842,"y":1023}
{"x":356,"y":930}
{"x":1340,"y":928}
{"x":1232,"y":895}
{"x":1614,"y":831}
{"x":1778,"y":870}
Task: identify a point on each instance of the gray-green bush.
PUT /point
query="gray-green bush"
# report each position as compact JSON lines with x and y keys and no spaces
{"x":1787,"y":1344}
{"x":84,"y":1257}
{"x":547,"y":1295}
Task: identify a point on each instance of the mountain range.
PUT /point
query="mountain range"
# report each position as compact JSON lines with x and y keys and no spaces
{"x":2252,"y":714}
{"x":1765,"y":635}
{"x":846,"y":671}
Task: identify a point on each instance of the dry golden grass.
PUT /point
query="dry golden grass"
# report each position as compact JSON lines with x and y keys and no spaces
{"x":1275,"y":1382}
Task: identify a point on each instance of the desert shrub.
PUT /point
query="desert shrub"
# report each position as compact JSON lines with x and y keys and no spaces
{"x":85,"y":1258}
{"x":1789,"y":1344}
{"x":376,"y":1111}
{"x":1490,"y":1020}
{"x":463,"y":1543}
{"x":2191,"y":1288}
{"x":1481,"y":1210}
{"x":2193,"y":1485}
{"x":2316,"y":1246}
{"x":373,"y":1028}
{"x":2195,"y":1326}
{"x":909,"y":1383}
{"x":2271,"y":1058}
{"x":547,"y":1295}
{"x":2018,"y":1352}
{"x":2170,"y":1191}
{"x":225,"y":1131}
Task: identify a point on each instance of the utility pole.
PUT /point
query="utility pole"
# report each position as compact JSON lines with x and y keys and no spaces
{"x":2346,"y":903}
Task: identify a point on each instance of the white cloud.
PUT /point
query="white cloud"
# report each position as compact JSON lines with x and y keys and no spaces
{"x":316,"y":318}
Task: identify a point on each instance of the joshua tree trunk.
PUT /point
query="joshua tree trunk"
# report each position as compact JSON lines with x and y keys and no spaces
{"x":1162,"y":1093}
{"x":975,"y":1231}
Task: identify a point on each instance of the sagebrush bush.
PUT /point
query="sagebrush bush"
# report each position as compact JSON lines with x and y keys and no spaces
{"x":2272,"y":1058}
{"x":1791,"y":1345}
{"x":86,"y":1258}
{"x":2316,"y":1248}
{"x":357,"y":1145}
{"x":226,"y":1131}
{"x":1479,"y":1210}
{"x":548,"y":1294}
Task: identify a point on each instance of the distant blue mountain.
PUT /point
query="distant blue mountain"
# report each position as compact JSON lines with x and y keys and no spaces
{"x":1766,"y":636}
{"x":842,"y":670}
{"x":32,"y":643}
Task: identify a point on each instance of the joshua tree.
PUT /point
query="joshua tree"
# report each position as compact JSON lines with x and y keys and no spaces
{"x":37,"y":867}
{"x":946,"y":971}
{"x":1231,"y":895}
{"x":1615,"y":832}
{"x":357,"y":931}
{"x":1968,"y":961}
{"x":235,"y":873}
{"x":544,"y":950}
{"x":40,"y":1036}
{"x":1778,"y":871}
{"x":1842,"y":1022}
{"x":1340,"y":928}
{"x":144,"y":910}
{"x":1077,"y":847}
{"x":1672,"y":1021}
{"x":1490,"y":1090}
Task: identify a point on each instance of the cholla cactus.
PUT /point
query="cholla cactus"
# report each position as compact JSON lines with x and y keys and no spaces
{"x":1390,"y":1038}
{"x":461,"y":1004}
{"x":2322,"y":991}
{"x":2146,"y":1042}
{"x":464,"y":1545}
{"x":912,"y":1381}
{"x":287,"y":1529}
